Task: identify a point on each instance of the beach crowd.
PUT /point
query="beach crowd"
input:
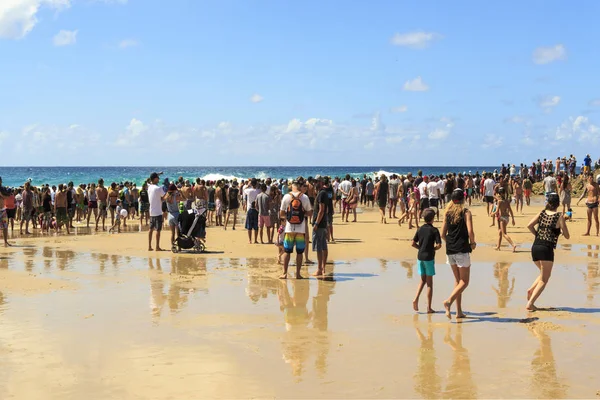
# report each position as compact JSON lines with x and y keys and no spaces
{"x":293,"y":213}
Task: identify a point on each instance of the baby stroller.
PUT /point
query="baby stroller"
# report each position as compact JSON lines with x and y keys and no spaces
{"x":192,"y":231}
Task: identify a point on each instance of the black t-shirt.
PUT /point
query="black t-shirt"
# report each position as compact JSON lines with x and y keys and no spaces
{"x":418,"y":181}
{"x":70,"y":199}
{"x":450,"y":185}
{"x":457,"y":237}
{"x":322,"y":200}
{"x":460,"y":183}
{"x":329,"y":191}
{"x":363,"y":184}
{"x":47,"y":203}
{"x":144,"y":196}
{"x":427,"y":237}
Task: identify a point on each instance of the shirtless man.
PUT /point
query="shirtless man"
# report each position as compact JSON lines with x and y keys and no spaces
{"x":187,"y":194}
{"x":593,"y":191}
{"x":102,"y":195}
{"x":135,"y":197}
{"x":527,"y":187}
{"x":60,"y":208}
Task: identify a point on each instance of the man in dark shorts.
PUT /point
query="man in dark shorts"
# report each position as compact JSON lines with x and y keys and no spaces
{"x":156,"y":195}
{"x":323,"y":206}
{"x":363,"y":192}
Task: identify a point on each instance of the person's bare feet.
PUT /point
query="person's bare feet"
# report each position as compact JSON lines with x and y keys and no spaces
{"x":447,"y":307}
{"x":514,"y":248}
{"x":529,"y":293}
{"x":298,"y":276}
{"x":317,"y":273}
{"x":415,"y":305}
{"x":150,"y":249}
{"x":430,"y":311}
{"x":256,"y":242}
{"x":159,"y":249}
{"x":497,"y":248}
{"x":532,"y":308}
{"x":6,"y":244}
{"x":461,"y":315}
{"x":284,"y":276}
{"x":586,"y":234}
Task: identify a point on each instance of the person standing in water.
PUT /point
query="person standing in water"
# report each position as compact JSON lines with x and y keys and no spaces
{"x":458,"y":233}
{"x":503,"y":213}
{"x":427,"y":240}
{"x":593,"y":192}
{"x":550,"y":225}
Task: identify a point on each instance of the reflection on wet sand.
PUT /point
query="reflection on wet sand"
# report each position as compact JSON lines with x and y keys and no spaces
{"x":409,"y":268}
{"x":460,"y":383}
{"x":505,"y":287}
{"x":427,"y":381}
{"x":320,"y":322}
{"x":295,"y":342}
{"x":545,"y":382}
{"x":176,"y":297}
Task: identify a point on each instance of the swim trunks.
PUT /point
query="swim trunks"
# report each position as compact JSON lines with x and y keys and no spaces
{"x":462,"y":260}
{"x":292,"y":239}
{"x":319,"y":239}
{"x":591,"y":206}
{"x":92,"y":204}
{"x":3,"y":219}
{"x":156,"y":223}
{"x":211,"y":206}
{"x":61,"y":215}
{"x":426,"y":268}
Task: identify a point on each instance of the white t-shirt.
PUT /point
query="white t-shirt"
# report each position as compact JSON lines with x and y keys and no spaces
{"x":549,"y":184}
{"x":442,"y":186}
{"x":285,"y":203}
{"x":433,"y":187}
{"x":251,"y":194}
{"x":488,"y":186}
{"x":336,"y":186}
{"x":422,"y":186}
{"x":155,"y":195}
{"x":345,"y":186}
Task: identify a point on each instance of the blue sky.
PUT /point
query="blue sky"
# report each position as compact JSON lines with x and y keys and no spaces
{"x":139,"y":82}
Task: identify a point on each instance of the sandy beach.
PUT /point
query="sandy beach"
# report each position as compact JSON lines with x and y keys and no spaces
{"x":98,"y":316}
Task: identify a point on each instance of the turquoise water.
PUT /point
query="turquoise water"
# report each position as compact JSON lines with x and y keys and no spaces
{"x":16,"y":176}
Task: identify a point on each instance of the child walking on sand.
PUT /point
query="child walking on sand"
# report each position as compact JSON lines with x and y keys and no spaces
{"x":427,"y":240}
{"x":411,"y":212}
{"x":252,"y":223}
{"x":504,"y":213}
{"x":117,"y":223}
{"x":280,"y":238}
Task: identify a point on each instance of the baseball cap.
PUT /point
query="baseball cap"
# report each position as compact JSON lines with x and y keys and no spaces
{"x":153,"y":176}
{"x":457,"y":196}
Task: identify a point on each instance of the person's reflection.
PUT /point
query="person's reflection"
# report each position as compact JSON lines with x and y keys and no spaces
{"x":545,"y":383}
{"x":592,"y":251}
{"x":592,"y":279}
{"x":384,"y":264}
{"x":427,"y":381}
{"x":320,"y":322}
{"x":295,"y":342}
{"x":2,"y":301}
{"x":505,"y":288}
{"x":47,"y":253}
{"x":408,"y":266}
{"x":102,"y":258}
{"x":460,"y":383}
{"x":29,"y":254}
{"x":157,"y":296}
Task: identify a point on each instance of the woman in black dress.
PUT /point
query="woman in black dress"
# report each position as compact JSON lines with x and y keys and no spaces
{"x":550,"y":225}
{"x":382,"y":190}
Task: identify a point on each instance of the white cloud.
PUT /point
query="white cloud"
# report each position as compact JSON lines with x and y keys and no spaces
{"x":65,"y":38}
{"x":595,"y":103}
{"x":376,"y":123}
{"x":19,"y":17}
{"x":516,"y":119}
{"x":123,"y":44}
{"x":416,"y":85}
{"x":545,"y":55}
{"x":579,"y":128}
{"x":398,"y":110}
{"x":491,"y":142}
{"x":132,"y":133}
{"x":438,"y":134}
{"x":256,"y":98}
{"x":547,"y":103}
{"x":414,"y":40}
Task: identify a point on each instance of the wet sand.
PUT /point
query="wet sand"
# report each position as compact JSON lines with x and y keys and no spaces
{"x":96,"y":316}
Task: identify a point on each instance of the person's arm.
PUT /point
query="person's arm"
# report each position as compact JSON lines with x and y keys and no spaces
{"x":444,"y":229}
{"x":469,"y":221}
{"x":532,"y":225}
{"x":320,"y":215}
{"x":583,"y":194}
{"x":415,"y":241}
{"x":438,"y":241}
{"x":563,"y":226}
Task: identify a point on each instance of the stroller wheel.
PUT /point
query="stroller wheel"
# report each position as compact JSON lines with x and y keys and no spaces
{"x":174,"y":249}
{"x":202,"y":247}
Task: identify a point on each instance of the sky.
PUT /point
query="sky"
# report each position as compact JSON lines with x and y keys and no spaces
{"x":274,"y":82}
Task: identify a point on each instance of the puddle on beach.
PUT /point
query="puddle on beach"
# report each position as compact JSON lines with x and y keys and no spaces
{"x":179,"y":327}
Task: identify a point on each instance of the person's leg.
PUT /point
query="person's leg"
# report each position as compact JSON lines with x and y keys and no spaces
{"x":318,"y":272}
{"x":419,"y":290}
{"x":227,"y":220}
{"x":234,"y":219}
{"x":595,"y":212}
{"x":158,"y":238}
{"x":250,"y":236}
{"x":172,"y":233}
{"x":262,"y":228}
{"x":256,"y":236}
{"x":499,"y":235}
{"x":300,"y":248}
{"x":429,"y":282}
{"x":461,"y":276}
{"x":589,"y":222}
{"x":354,"y":213}
{"x":505,"y":235}
{"x":545,"y":273}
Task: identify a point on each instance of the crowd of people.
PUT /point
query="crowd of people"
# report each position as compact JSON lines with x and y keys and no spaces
{"x":282,"y":212}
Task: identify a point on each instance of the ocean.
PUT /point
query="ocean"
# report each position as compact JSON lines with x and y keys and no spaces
{"x":16,"y":176}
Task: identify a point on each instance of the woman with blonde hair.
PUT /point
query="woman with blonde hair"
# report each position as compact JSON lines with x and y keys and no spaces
{"x":459,"y":236}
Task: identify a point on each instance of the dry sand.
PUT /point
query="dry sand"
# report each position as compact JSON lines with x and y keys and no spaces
{"x":97,"y":316}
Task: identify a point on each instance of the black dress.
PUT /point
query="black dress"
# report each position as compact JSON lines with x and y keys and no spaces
{"x":546,"y":237}
{"x":382,"y":194}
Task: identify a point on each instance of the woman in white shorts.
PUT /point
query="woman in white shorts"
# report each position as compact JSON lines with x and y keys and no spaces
{"x":458,"y":233}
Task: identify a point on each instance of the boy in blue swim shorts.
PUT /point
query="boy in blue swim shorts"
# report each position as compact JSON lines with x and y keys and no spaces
{"x":427,"y":240}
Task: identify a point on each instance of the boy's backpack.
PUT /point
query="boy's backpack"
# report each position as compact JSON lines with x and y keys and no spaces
{"x":295,"y":211}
